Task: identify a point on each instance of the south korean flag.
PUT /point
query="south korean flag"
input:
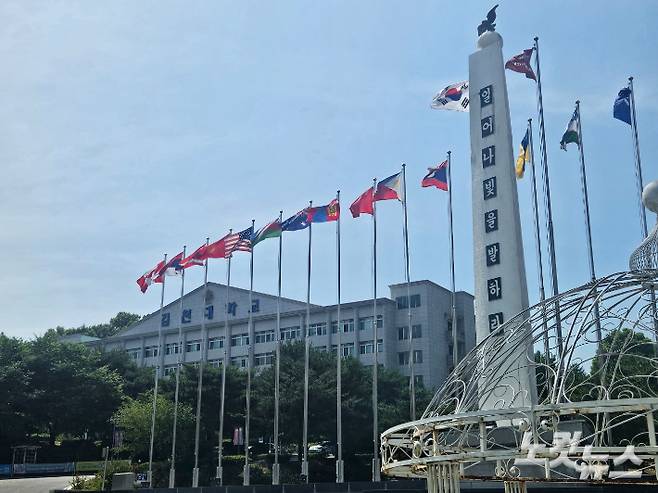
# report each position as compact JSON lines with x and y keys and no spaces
{"x":453,"y":97}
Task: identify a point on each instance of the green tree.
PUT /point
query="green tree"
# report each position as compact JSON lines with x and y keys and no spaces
{"x":119,"y":322}
{"x":71,"y":391}
{"x":626,"y":364}
{"x":393,"y":402}
{"x":15,"y":384}
{"x":134,"y":419}
{"x":136,"y":380}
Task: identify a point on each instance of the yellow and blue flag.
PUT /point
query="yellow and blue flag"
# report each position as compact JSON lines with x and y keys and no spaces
{"x":524,"y":155}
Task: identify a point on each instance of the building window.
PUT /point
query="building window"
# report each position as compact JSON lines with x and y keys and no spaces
{"x":403,"y":358}
{"x":193,"y":346}
{"x":168,"y":370}
{"x":210,"y":312}
{"x":368,"y":346}
{"x":186,"y":318}
{"x":232,"y":308}
{"x":418,"y":379}
{"x":263,"y":359}
{"x":416,"y":330}
{"x":403,"y":301}
{"x":290,"y":333}
{"x":347,"y":349}
{"x":418,"y":356}
{"x":134,"y":353}
{"x":215,"y":343}
{"x":164,"y":320}
{"x":239,"y":361}
{"x":215,"y":363}
{"x":365,"y":323}
{"x":171,"y":348}
{"x":255,"y":306}
{"x":318,"y":329}
{"x":347,"y":324}
{"x":460,"y":326}
{"x":264,"y":336}
{"x":239,"y":340}
{"x":151,"y":351}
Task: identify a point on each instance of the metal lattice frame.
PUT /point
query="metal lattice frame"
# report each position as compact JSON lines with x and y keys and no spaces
{"x":603,"y":384}
{"x":646,"y":255}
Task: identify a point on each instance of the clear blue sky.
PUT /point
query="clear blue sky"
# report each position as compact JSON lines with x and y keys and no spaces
{"x":128,"y":129}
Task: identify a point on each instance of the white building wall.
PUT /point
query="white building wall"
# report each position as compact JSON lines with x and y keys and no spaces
{"x":431,"y":315}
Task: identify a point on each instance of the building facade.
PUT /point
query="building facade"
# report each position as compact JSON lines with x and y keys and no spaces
{"x":430,"y":347}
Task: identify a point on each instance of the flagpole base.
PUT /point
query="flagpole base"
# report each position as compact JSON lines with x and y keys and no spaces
{"x":172,"y":477}
{"x":195,"y":477}
{"x":305,"y":470}
{"x":275,"y":473}
{"x":218,"y":475}
{"x":376,"y":470}
{"x":245,"y":475}
{"x":340,"y":471}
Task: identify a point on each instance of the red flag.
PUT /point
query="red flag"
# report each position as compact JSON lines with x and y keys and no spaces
{"x":217,"y":249}
{"x":197,"y":258}
{"x":362,"y":205}
{"x":148,"y":277}
{"x":521,"y":63}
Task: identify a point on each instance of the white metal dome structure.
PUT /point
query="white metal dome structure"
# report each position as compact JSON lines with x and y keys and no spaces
{"x":596,"y":397}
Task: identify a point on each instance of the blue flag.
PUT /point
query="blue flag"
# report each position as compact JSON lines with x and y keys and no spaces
{"x":296,"y":222}
{"x":622,"y":108}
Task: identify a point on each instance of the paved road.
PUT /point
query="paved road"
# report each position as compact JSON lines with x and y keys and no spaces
{"x":33,"y":485}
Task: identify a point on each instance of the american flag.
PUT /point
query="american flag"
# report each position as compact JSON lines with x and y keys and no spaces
{"x":239,"y":242}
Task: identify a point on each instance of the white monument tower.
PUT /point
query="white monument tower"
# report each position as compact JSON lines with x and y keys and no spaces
{"x":500,"y":281}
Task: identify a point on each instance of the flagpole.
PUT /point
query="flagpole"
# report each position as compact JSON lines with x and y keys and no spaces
{"x":375,"y":366}
{"x":306,"y":355}
{"x":155,"y":383}
{"x":640,"y":186}
{"x":250,"y":353}
{"x":204,"y":346}
{"x":220,"y":473}
{"x":540,"y":263}
{"x":453,"y":311}
{"x":339,"y":377}
{"x":547,"y":199}
{"x":588,"y":228}
{"x":277,"y":363}
{"x":412,"y":383}
{"x":172,"y":467}
{"x":638,"y":164}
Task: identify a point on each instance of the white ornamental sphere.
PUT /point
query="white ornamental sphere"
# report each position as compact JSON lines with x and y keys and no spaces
{"x":650,"y":196}
{"x":488,"y":38}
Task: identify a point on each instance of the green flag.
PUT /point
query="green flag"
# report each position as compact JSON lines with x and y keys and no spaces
{"x":571,"y":134}
{"x":271,"y":230}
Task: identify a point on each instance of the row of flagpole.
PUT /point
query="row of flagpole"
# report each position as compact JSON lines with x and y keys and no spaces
{"x":393,"y":187}
{"x":627,"y":113}
{"x":400,"y":195}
